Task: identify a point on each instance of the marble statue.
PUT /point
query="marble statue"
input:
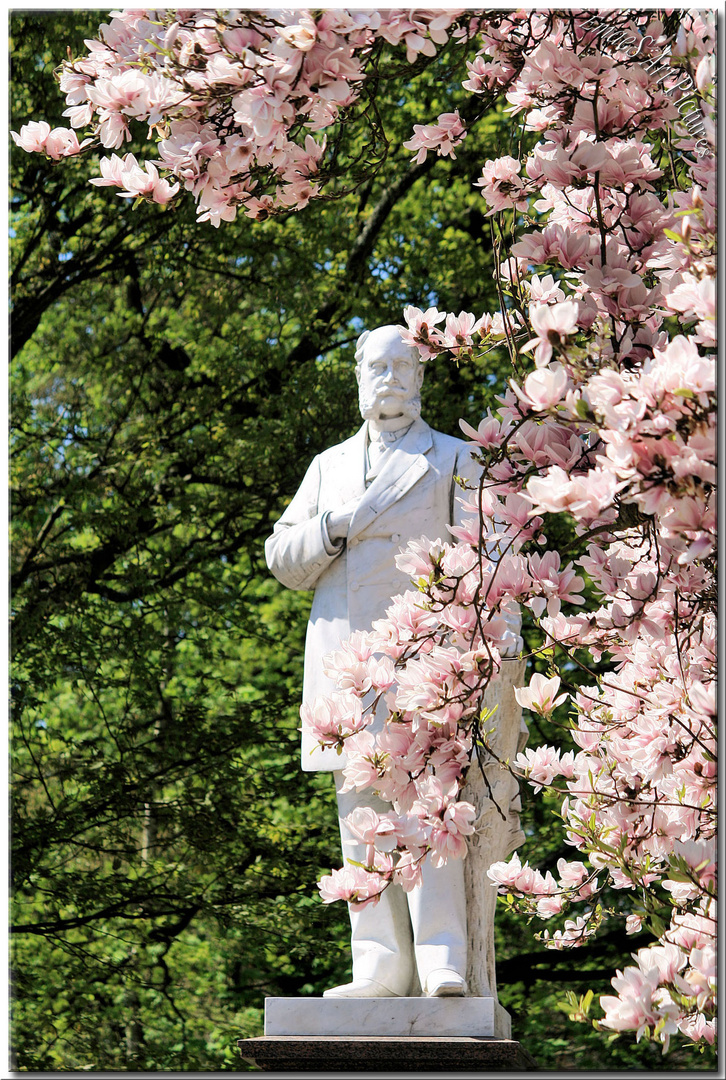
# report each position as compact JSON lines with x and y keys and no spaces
{"x":357,"y":507}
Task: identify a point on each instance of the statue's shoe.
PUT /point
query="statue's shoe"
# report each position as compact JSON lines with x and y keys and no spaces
{"x":360,"y":988}
{"x":444,"y":983}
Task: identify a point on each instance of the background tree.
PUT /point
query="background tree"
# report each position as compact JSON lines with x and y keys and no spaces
{"x":170,"y":384}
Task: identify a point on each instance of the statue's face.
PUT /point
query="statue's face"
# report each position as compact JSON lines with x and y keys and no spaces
{"x":389,"y":377}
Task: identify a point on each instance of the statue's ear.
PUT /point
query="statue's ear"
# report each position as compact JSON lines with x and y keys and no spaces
{"x":359,"y":353}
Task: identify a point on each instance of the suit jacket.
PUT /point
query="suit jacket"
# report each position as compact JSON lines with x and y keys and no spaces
{"x":413,"y":495}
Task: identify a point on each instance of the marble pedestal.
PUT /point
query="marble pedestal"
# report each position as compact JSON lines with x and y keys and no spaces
{"x":386,"y":1034}
{"x":481,"y":1017}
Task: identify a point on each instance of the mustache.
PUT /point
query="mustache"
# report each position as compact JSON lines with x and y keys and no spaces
{"x":410,"y":404}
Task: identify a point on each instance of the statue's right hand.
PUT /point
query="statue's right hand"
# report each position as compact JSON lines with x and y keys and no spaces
{"x":338,"y":521}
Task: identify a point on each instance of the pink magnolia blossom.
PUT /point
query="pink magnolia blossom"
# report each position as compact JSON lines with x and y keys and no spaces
{"x":552,"y":323}
{"x":450,"y":821}
{"x":354,"y":884}
{"x":302,"y":35}
{"x":372,"y":829}
{"x":547,"y":906}
{"x":586,"y":498}
{"x":502,"y":186}
{"x":490,"y":433}
{"x":135,"y":180}
{"x":331,"y":720}
{"x":408,"y":871}
{"x":32,"y":136}
{"x":574,"y":935}
{"x":56,"y":143}
{"x":420,"y":330}
{"x":459,"y":329}
{"x":420,"y":557}
{"x":363,"y":761}
{"x":543,"y":388}
{"x":444,"y":136}
{"x":382,"y":673}
{"x":633,"y":1007}
{"x":544,"y":290}
{"x":515,"y":877}
{"x":633,"y":924}
{"x":540,"y":695}
{"x":542,"y":765}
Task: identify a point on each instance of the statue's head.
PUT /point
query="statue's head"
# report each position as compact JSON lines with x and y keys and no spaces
{"x":389,"y":375}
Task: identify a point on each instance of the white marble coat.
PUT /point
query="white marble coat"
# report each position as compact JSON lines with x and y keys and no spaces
{"x":414,"y":494}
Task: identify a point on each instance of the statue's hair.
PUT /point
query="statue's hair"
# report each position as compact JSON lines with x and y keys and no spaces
{"x":359,"y":347}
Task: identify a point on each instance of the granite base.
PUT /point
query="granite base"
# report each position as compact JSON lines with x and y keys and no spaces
{"x":386,"y":1054}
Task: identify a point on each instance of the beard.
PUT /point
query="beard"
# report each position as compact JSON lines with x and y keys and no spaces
{"x":369,"y":405}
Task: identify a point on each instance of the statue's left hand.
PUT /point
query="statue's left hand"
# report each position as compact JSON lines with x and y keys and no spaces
{"x":338,"y":521}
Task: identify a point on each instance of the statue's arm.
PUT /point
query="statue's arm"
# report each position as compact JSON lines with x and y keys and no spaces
{"x":299,"y":549}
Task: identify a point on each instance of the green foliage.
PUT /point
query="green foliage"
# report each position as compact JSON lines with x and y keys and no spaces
{"x":170,"y":384}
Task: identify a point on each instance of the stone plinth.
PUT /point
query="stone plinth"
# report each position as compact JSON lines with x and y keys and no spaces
{"x":386,"y":1035}
{"x":411,"y":1016}
{"x":384,"y":1054}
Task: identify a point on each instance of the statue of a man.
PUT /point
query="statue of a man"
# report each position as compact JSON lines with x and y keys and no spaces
{"x":357,"y":507}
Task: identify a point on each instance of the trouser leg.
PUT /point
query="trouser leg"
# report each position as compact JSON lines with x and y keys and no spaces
{"x":381,"y":936}
{"x":438,"y":917}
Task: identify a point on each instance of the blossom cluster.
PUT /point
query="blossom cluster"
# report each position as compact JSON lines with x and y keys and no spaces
{"x":614,"y":427}
{"x":425,"y":667}
{"x":235,"y":99}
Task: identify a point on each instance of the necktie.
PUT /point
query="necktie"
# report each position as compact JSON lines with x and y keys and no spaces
{"x":380,"y":443}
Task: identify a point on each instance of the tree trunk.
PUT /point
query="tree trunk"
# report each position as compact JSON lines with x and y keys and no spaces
{"x":494,"y":792}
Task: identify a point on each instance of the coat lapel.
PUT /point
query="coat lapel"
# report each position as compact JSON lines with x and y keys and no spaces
{"x":349,"y":464}
{"x":405,"y":467}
